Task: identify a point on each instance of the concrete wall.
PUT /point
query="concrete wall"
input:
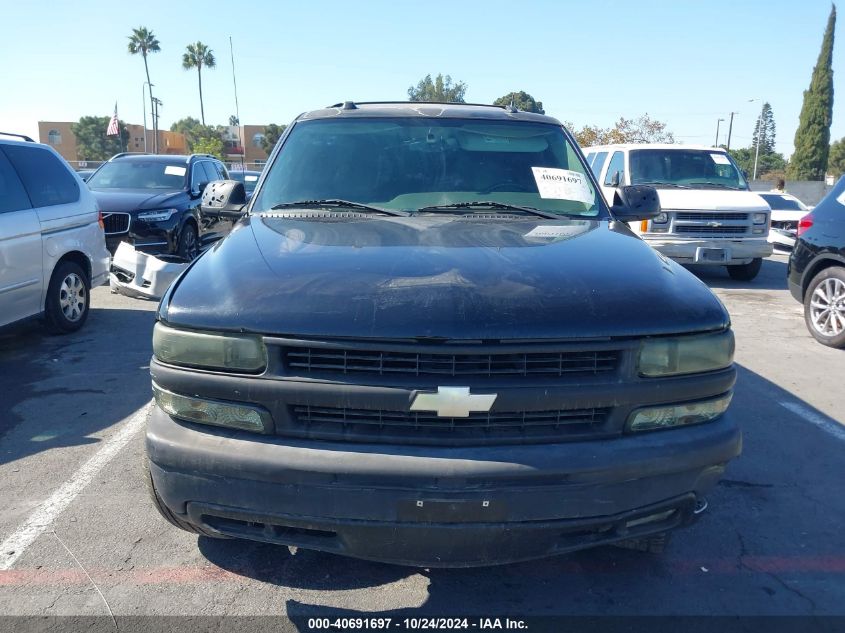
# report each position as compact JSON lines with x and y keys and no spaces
{"x":810,"y":192}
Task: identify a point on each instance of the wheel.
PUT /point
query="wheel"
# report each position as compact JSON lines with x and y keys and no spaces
{"x":824,"y":307}
{"x":68,"y":298}
{"x":163,"y":509}
{"x":189,"y":245}
{"x":746,"y":272}
{"x":654,"y":544}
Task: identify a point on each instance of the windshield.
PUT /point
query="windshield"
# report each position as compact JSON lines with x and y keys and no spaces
{"x":778,"y":202}
{"x":412,"y":163}
{"x":249,"y":179}
{"x":686,"y":167}
{"x":139,"y":174}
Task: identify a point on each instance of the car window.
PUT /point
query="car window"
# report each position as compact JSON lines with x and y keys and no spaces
{"x":222,"y":171}
{"x":211,"y":172}
{"x":12,"y":194}
{"x":46,"y":179}
{"x":140,"y":174}
{"x":617,"y":164}
{"x":590,"y":157}
{"x":411,"y":163}
{"x":782,"y":203}
{"x":598,"y":163}
{"x":689,"y":167}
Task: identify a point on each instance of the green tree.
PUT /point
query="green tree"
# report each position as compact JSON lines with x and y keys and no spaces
{"x":522,"y":100}
{"x":272,"y":134}
{"x":143,"y":42}
{"x":441,"y":90}
{"x":643,"y":129}
{"x":209,"y":145}
{"x":836,"y":159}
{"x":196,"y":56}
{"x":195,"y":132}
{"x":91,"y":140}
{"x":764,"y":129}
{"x":768,"y":163}
{"x":812,"y":139}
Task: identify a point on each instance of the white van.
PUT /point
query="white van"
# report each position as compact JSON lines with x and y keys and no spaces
{"x":52,"y":246}
{"x":709,"y":214}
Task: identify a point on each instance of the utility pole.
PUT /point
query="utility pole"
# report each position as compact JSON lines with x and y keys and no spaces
{"x":144,"y":109}
{"x":718,"y":122}
{"x":156,"y":103}
{"x":237,"y":110}
{"x":730,"y":129}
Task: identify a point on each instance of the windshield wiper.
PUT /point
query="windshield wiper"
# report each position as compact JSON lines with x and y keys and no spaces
{"x":713,"y":184}
{"x":335,"y":203}
{"x":663,"y":184}
{"x":489,"y":204}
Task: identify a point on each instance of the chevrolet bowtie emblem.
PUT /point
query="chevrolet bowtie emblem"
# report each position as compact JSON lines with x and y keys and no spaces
{"x":453,"y":402}
{"x":714,"y":225}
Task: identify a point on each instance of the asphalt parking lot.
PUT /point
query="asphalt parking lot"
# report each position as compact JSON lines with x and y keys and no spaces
{"x":79,"y":536}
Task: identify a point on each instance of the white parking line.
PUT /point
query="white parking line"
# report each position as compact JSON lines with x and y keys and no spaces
{"x":821,"y":421}
{"x":14,"y":546}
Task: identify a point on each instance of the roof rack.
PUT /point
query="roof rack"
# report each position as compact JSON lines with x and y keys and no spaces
{"x":22,"y":136}
{"x":204,"y":155}
{"x":122,"y":154}
{"x":352,"y":105}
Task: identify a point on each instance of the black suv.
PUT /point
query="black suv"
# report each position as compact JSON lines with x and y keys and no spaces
{"x":431,"y":342}
{"x":816,"y":270}
{"x":152,"y":202}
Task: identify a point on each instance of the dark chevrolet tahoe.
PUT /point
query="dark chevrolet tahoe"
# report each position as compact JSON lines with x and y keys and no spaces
{"x":429,"y":341}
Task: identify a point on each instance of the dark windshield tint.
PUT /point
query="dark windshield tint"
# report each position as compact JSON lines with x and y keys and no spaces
{"x":684,"y":167}
{"x":140,"y":174}
{"x":410,"y":163}
{"x":782,"y":203}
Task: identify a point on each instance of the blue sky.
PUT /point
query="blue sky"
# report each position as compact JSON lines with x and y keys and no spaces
{"x":687,"y":63}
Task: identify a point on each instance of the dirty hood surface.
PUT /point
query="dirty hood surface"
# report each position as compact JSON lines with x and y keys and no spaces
{"x":438,"y":277}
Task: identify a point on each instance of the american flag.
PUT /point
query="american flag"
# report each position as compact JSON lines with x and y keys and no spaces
{"x":113,"y":130}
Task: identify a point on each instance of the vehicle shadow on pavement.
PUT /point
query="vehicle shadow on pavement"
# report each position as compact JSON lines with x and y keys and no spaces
{"x":60,"y":390}
{"x":770,"y":544}
{"x":772,"y":276}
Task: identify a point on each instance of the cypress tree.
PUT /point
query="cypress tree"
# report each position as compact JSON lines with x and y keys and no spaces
{"x":812,"y":139}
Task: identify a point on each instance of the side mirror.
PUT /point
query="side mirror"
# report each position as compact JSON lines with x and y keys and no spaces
{"x":223,"y":199}
{"x":199,"y":190}
{"x":635,"y":202}
{"x":614,"y":181}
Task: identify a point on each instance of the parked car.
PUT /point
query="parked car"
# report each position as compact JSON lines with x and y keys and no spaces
{"x":52,"y":248}
{"x":431,"y":342}
{"x":248,"y":178}
{"x":152,"y":202}
{"x":709,"y":214}
{"x":85,"y":174}
{"x":816,"y":270}
{"x":787,"y":210}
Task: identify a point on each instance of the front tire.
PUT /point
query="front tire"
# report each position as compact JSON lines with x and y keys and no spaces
{"x":824,"y":307}
{"x":189,"y":246}
{"x":746,"y":272}
{"x":68,"y":298}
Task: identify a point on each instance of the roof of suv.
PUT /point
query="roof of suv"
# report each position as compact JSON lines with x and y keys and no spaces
{"x":427,"y":110}
{"x":669,"y":146}
{"x":162,"y":158}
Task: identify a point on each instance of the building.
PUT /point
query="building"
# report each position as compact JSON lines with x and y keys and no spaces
{"x":60,"y":136}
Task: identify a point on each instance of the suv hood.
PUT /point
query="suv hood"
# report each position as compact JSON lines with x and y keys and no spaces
{"x":455,"y":278}
{"x":710,"y":200}
{"x":128,"y":200}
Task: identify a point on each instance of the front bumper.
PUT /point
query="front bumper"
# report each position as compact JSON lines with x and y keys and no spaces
{"x":436,"y":506}
{"x":156,"y":238}
{"x":137,"y":274}
{"x":737,"y":252}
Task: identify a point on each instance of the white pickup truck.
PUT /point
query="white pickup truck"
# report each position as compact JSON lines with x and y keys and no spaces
{"x":709,"y":214}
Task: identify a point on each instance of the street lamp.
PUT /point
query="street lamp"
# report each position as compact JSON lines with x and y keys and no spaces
{"x":759,"y":134}
{"x":730,"y":129}
{"x":718,"y":122}
{"x":144,"y":108}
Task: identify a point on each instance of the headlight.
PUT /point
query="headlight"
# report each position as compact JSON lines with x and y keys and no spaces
{"x":669,"y":416}
{"x":228,"y":414}
{"x":206,"y":350}
{"x":660,"y":218}
{"x":159,"y":215}
{"x":760,"y":218}
{"x":686,"y":355}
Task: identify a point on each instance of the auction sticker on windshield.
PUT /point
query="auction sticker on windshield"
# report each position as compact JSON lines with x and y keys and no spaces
{"x":175,"y":170}
{"x":562,"y":184}
{"x":720,"y":159}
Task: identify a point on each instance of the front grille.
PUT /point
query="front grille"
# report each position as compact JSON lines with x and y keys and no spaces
{"x":312,"y":360}
{"x":704,"y":217}
{"x":116,"y":223}
{"x":427,"y":428}
{"x":711,"y":230}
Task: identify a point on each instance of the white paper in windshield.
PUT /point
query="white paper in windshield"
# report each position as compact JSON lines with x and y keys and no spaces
{"x":562,"y":184}
{"x":175,"y":170}
{"x":720,"y":159}
{"x":841,"y":198}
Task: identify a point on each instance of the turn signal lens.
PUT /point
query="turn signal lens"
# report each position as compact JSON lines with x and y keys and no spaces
{"x":805,"y":223}
{"x":232,"y":415}
{"x":644,"y":226}
{"x":670,"y":416}
{"x":100,"y":220}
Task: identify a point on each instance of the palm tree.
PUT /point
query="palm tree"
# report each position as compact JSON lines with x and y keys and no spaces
{"x":197,"y":56}
{"x":144,"y":41}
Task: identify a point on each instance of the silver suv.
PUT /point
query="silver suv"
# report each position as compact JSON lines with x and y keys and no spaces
{"x":52,"y":246}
